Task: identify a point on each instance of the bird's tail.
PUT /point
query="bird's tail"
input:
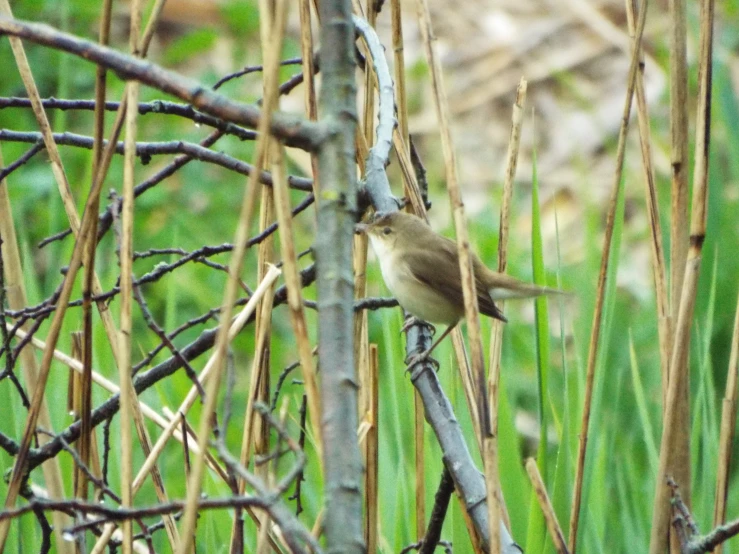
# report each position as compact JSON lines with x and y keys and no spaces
{"x":521,"y":290}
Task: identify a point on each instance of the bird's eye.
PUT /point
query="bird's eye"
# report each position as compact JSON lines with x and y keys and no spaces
{"x":386,"y":231}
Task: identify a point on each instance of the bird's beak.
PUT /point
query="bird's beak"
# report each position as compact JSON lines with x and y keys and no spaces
{"x":360,"y":228}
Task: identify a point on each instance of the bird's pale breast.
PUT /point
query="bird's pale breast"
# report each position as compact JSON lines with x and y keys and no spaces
{"x":416,"y":297}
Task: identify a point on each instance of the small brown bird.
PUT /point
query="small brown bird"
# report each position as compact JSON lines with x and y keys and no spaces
{"x":421,"y":269}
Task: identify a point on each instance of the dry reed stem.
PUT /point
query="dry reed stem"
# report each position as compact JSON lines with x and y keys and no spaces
{"x":490,"y":444}
{"x":264,"y":319}
{"x":728,"y":429}
{"x":259,"y":374}
{"x":265,"y":540}
{"x":294,"y":293}
{"x":679,"y":242}
{"x":490,"y":464}
{"x":309,"y":80}
{"x":468,"y":385}
{"x":602,"y":276}
{"x":455,"y":197}
{"x":664,"y":320}
{"x":679,"y":151}
{"x":259,"y":378}
{"x":139,"y":47}
{"x":76,"y":398}
{"x":401,"y":99}
{"x":235,"y":265}
{"x":16,"y":298}
{"x":369,"y":84}
{"x":126,"y":284}
{"x":359,"y":262}
{"x":85,"y":380}
{"x":256,"y":431}
{"x":680,"y":144}
{"x":372,"y":461}
{"x":670,"y":457}
{"x":496,"y":332}
{"x":555,"y":531}
{"x":410,"y":183}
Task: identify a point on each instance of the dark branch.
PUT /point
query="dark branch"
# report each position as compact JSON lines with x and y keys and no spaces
{"x":292,"y":130}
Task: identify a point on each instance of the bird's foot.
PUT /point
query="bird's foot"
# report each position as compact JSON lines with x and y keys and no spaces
{"x":412,"y":320}
{"x":414,"y":359}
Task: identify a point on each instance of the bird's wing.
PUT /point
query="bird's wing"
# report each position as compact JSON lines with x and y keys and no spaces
{"x":446,"y":283}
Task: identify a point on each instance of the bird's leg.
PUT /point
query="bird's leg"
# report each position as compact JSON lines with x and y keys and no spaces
{"x":412,"y":320}
{"x":416,"y":358}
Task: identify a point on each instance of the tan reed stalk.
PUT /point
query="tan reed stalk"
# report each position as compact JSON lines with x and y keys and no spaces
{"x":679,"y":243}
{"x":490,"y":443}
{"x":372,"y":461}
{"x":401,"y":99}
{"x":658,"y":256}
{"x":294,"y":290}
{"x":256,"y":430}
{"x":672,"y":454}
{"x":309,"y":80}
{"x":496,"y":332}
{"x":259,"y":380}
{"x":74,"y":399}
{"x":126,"y":284}
{"x":728,"y":430}
{"x":679,"y":151}
{"x":410,"y":183}
{"x":359,"y":253}
{"x":455,"y":197}
{"x":490,"y":464}
{"x":74,"y":406}
{"x":468,"y":385}
{"x":258,"y":375}
{"x":235,"y":265}
{"x":471,"y":531}
{"x":413,"y":193}
{"x":84,"y":445}
{"x":555,"y":531}
{"x":600,"y":293}
{"x":369,"y":85}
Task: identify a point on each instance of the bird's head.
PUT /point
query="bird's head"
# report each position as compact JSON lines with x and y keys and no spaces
{"x":385,"y":229}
